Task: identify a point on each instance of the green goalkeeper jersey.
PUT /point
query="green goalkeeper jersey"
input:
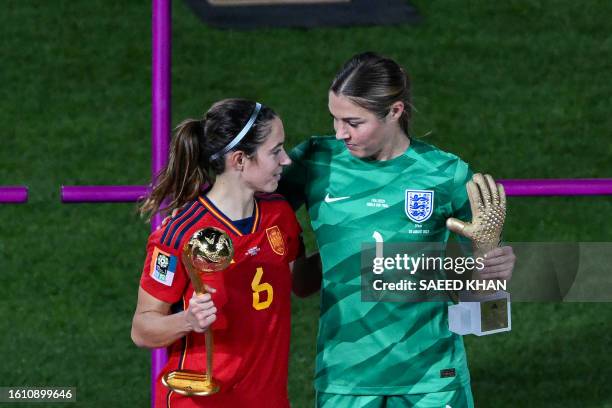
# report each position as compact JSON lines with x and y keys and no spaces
{"x":379,"y":348}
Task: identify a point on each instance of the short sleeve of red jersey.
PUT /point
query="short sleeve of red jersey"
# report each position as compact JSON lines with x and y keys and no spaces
{"x":163,"y":274}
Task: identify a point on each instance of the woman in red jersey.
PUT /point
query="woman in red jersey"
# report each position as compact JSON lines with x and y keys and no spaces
{"x":237,"y":150}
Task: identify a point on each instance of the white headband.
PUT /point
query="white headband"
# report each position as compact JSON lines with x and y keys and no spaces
{"x":240,"y":135}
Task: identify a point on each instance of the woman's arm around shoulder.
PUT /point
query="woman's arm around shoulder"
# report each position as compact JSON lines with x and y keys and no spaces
{"x":306,"y":274}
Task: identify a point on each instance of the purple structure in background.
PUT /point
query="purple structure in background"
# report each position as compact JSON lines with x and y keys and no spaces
{"x":513,"y":187}
{"x":102,"y":194}
{"x":161,"y":26}
{"x":13,"y":195}
{"x":161,"y":63}
{"x":557,"y":187}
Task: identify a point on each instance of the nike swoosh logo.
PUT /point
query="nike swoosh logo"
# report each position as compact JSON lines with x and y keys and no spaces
{"x":329,"y":199}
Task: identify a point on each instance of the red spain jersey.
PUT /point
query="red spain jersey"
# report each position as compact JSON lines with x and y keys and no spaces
{"x":251,"y":334}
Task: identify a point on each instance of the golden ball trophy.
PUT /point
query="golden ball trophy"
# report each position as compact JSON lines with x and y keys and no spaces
{"x":483,"y":312}
{"x":209,"y":250}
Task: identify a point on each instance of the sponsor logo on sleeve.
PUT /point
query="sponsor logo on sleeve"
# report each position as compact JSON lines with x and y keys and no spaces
{"x":163,"y":267}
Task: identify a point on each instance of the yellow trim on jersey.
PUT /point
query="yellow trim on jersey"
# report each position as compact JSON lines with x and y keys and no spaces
{"x":226,"y":221}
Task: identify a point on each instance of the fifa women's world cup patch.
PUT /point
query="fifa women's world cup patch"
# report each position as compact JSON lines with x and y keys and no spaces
{"x":419,"y":204}
{"x":275,"y":238}
{"x":163,"y":266}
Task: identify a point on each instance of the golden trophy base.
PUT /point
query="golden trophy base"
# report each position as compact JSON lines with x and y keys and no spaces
{"x":190,"y":383}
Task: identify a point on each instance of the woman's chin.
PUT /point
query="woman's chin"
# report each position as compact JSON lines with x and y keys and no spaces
{"x":358,"y":153}
{"x":270,"y":187}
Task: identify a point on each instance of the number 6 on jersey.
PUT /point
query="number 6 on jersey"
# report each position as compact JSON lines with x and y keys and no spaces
{"x":258,"y":288}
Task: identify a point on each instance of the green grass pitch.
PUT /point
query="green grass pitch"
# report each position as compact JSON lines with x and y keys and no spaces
{"x":518,"y":88}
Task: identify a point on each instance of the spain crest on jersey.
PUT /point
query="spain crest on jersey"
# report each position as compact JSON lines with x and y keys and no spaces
{"x":419,"y":204}
{"x":275,"y":238}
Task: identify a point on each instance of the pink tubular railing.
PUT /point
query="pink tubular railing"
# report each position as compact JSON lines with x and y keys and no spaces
{"x":13,"y":195}
{"x":513,"y":187}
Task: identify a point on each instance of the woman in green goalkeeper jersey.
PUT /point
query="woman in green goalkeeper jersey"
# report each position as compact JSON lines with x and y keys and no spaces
{"x":359,"y":187}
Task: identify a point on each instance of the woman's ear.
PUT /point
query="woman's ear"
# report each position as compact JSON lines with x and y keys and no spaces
{"x":236,"y":160}
{"x":396,"y":110}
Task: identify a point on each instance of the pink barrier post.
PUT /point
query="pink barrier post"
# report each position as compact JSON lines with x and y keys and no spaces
{"x":161,"y":29}
{"x":161,"y":26}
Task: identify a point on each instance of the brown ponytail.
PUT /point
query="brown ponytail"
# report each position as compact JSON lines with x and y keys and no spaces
{"x":185,"y":175}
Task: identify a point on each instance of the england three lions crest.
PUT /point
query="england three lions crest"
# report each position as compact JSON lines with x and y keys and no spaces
{"x":419,"y":204}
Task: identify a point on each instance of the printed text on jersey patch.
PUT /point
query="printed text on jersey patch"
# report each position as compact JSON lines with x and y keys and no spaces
{"x":163,"y":266}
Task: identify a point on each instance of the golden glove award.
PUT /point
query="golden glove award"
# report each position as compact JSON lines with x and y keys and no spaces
{"x":482,"y":312}
{"x":209,"y":250}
